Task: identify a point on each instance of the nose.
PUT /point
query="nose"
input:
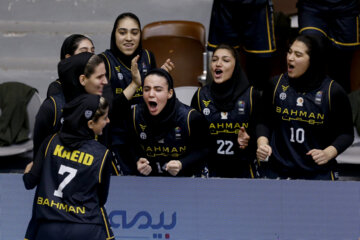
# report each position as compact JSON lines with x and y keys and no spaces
{"x":128,"y":36}
{"x":290,"y":56}
{"x":151,"y":93}
{"x":104,"y":81}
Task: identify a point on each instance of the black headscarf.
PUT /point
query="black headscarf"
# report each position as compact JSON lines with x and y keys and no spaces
{"x":166,"y":119}
{"x":76,"y":115}
{"x":69,"y":71}
{"x":315,"y":74}
{"x":114,"y":49}
{"x":71,"y":43}
{"x":225,"y":94}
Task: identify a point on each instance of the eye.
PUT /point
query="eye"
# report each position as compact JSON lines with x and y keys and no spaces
{"x":135,"y":31}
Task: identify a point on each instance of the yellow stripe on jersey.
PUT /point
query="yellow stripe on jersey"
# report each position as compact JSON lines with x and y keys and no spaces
{"x":276,"y":88}
{"x":52,"y":99}
{"x":188,"y":117}
{"x":47,"y":147}
{"x":109,"y":77}
{"x":102,"y":164}
{"x":332,"y":81}
{"x":357,"y":43}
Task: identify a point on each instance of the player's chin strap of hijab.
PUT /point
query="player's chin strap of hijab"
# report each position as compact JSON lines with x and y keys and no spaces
{"x":315,"y":74}
{"x":225,"y":94}
{"x":76,"y":115}
{"x":167,"y":117}
{"x":69,"y":71}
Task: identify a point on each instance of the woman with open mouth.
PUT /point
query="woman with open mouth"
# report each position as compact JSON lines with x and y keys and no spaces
{"x":171,"y":137}
{"x":307,"y":118}
{"x":229,"y":105}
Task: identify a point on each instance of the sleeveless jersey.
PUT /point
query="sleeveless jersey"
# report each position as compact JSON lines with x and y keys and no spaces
{"x":224,"y":128}
{"x":120,"y":75}
{"x":301,"y":119}
{"x":58,"y":101}
{"x":68,"y":192}
{"x":172,"y":145}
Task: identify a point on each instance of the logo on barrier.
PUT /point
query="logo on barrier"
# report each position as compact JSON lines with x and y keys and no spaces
{"x":144,"y":218}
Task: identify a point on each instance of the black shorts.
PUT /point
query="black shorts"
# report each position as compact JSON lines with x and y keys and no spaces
{"x":249,"y":23}
{"x":339,"y":24}
{"x":67,"y":231}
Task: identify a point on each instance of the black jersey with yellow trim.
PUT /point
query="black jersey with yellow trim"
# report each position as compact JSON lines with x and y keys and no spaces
{"x":120,"y":76}
{"x":300,"y":125}
{"x":228,"y":159}
{"x":68,"y":188}
{"x":173,"y":145}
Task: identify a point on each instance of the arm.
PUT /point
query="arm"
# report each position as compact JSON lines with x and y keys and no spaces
{"x":32,"y":173}
{"x":341,"y":126}
{"x":43,"y":124}
{"x":263,"y":121}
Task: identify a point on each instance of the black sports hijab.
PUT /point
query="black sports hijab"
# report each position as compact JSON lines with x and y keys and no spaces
{"x":225,"y":94}
{"x":69,"y":71}
{"x":76,"y":115}
{"x":316,"y":72}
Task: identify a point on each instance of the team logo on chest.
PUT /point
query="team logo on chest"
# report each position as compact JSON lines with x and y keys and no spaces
{"x":300,"y":102}
{"x":241,"y":107}
{"x":283,"y":95}
{"x":318,"y":97}
{"x":119,"y":74}
{"x":144,"y":69}
{"x":206,"y":110}
{"x":178,"y":133}
{"x":143,"y":135}
{"x":224,"y":115}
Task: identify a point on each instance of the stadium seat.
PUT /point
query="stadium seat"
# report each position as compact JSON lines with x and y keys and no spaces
{"x":185,"y":93}
{"x":181,"y":41}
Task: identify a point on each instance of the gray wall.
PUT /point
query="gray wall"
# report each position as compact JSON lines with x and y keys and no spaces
{"x":32,"y":31}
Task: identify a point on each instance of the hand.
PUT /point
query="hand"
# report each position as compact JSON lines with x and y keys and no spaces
{"x":173,"y":167}
{"x":168,"y":65}
{"x":322,"y":157}
{"x":143,"y":166}
{"x":243,"y":138}
{"x":263,"y":152}
{"x":28,"y":167}
{"x":136,"y":78}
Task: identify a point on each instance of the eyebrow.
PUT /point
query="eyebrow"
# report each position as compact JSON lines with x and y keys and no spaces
{"x":129,"y":29}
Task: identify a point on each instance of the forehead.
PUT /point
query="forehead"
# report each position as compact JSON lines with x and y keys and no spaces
{"x":299,"y":46}
{"x":128,"y":22}
{"x":85,"y":42}
{"x":223,"y":52}
{"x":155,"y":80}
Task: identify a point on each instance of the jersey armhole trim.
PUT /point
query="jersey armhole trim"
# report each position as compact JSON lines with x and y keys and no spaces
{"x":52,"y":99}
{"x":277,"y":84}
{"x":198,"y":98}
{"x":332,"y":81}
{"x":134,"y":120}
{"x":188,"y":120}
{"x":102,"y":164}
{"x":109,"y":75}
{"x":47,"y":147}
{"x":251,"y":100}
